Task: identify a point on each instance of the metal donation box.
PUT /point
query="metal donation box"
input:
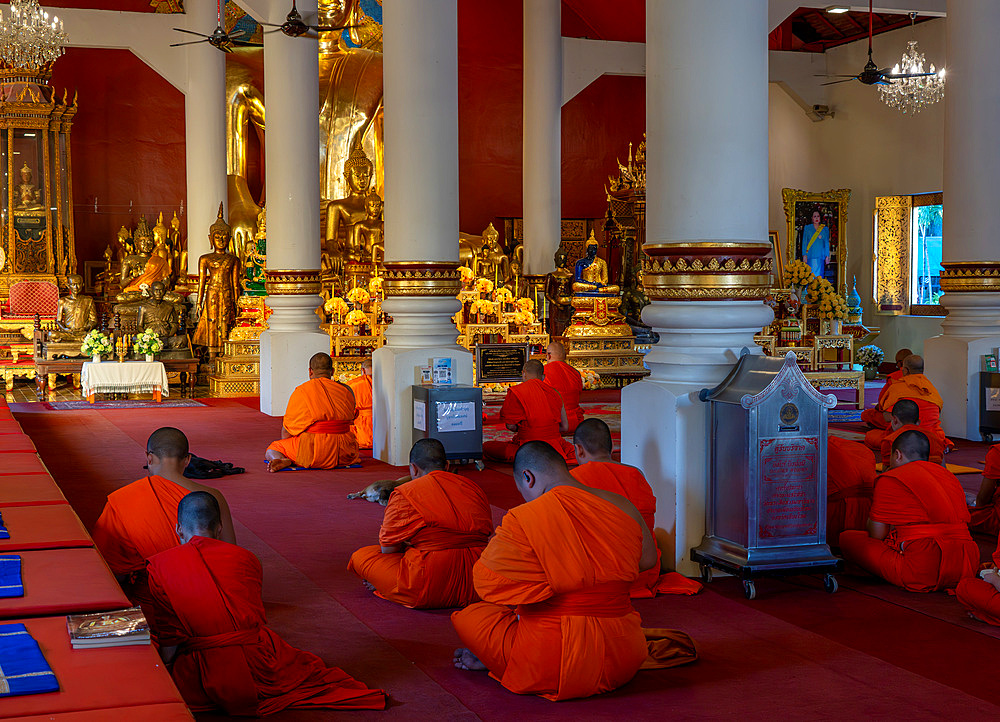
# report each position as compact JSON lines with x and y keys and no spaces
{"x":766,"y":512}
{"x":452,"y":414}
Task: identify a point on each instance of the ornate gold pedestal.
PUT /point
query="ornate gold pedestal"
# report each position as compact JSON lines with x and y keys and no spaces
{"x":599,"y":340}
{"x":237,"y":369}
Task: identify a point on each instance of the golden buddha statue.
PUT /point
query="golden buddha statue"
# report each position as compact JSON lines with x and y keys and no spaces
{"x":75,"y":313}
{"x":515,"y":281}
{"x":177,"y":247}
{"x":591,"y":273}
{"x":161,"y":317}
{"x":149,"y":263}
{"x":218,"y":287}
{"x":367,"y":232}
{"x":492,"y":262}
{"x":342,"y":214}
{"x":27,"y":194}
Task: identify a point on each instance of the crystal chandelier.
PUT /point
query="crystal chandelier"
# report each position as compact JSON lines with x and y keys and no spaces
{"x":28,"y":38}
{"x":911,"y":95}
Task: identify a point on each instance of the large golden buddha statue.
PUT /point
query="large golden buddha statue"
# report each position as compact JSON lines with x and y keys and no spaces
{"x":344,"y":213}
{"x":591,"y":273}
{"x":491,"y":261}
{"x":218,"y":287}
{"x":148,"y":264}
{"x":27,"y":194}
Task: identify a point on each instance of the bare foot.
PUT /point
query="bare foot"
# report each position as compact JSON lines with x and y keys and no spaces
{"x":278,"y":464}
{"x":464,"y":659}
{"x":973,"y":616}
{"x":368,"y":585}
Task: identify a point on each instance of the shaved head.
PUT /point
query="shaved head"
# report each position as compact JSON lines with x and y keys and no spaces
{"x":539,"y":458}
{"x":167,"y":443}
{"x":321,"y":364}
{"x":366,"y":363}
{"x":907,"y":411}
{"x":533,"y":369}
{"x":428,"y":455}
{"x":913,"y":445}
{"x":198,"y":514}
{"x":913,"y":364}
{"x":594,"y":436}
{"x":557,"y":351}
{"x":902,"y":354}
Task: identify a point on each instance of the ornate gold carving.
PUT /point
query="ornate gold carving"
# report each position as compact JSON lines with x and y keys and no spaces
{"x":420,"y":278}
{"x":892,"y":259}
{"x":291,"y":282}
{"x":708,"y":270}
{"x":970,"y":276}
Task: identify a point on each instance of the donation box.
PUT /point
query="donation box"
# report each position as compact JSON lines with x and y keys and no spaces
{"x":766,"y":511}
{"x":452,"y":414}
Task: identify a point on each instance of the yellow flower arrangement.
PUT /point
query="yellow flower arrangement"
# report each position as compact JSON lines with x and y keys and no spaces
{"x":525,"y":304}
{"x":375,"y":285}
{"x":359,"y":295}
{"x":336,"y":305}
{"x":524,"y":318}
{"x":503,"y":295}
{"x":483,"y":305}
{"x":484,"y":285}
{"x":798,"y":273}
{"x":356,"y":317}
{"x":466,"y":273}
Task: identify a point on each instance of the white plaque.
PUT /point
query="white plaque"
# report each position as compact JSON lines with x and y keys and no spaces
{"x":456,"y":416}
{"x":419,"y":415}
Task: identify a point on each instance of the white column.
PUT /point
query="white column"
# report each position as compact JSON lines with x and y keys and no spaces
{"x":420,"y":77}
{"x":969,"y":247}
{"x":205,"y":131}
{"x":291,"y":77}
{"x":706,"y":197}
{"x":542,"y":129}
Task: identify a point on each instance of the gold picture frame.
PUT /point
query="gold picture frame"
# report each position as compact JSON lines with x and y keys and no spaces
{"x":779,"y":262}
{"x":829,"y":258}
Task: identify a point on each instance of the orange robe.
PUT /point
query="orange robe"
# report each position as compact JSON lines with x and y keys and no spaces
{"x":929,"y":547}
{"x":138,"y":521}
{"x":980,"y":597}
{"x":566,"y":560}
{"x":630,"y":483}
{"x":918,"y":388}
{"x":207,"y":600}
{"x":319,"y":417}
{"x":850,"y":478}
{"x":536,"y":408}
{"x":986,"y":519}
{"x":936,"y":442}
{"x":445,"y":521}
{"x":568,"y":382}
{"x":874,"y":415}
{"x":362,"y":388}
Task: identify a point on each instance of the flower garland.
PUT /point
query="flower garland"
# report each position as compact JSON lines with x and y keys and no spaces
{"x":147,"y":342}
{"x":96,"y":343}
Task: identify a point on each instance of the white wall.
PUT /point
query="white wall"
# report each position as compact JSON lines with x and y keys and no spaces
{"x":868,"y":147}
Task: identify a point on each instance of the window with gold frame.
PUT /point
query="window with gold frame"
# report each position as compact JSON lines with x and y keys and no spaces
{"x":907,"y":255}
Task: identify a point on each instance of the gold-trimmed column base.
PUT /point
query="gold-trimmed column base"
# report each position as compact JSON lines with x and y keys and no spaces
{"x":421,"y":278}
{"x":970,"y":276}
{"x":708,"y":271}
{"x":280,"y":282}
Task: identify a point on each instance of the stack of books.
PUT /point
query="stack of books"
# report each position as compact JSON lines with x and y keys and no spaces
{"x":108,"y":629}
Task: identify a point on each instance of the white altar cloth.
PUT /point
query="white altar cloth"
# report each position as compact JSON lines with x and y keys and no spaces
{"x":133,"y":377}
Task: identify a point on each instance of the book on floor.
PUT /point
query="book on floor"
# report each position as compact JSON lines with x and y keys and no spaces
{"x":108,"y":629}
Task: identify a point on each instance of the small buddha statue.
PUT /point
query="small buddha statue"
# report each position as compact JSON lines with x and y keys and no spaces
{"x":75,"y":313}
{"x":256,"y":261}
{"x":27,"y":194}
{"x":218,"y":287}
{"x":343,"y":213}
{"x":177,"y":246}
{"x":161,"y":317}
{"x":558,"y":290}
{"x":148,"y":264}
{"x":515,"y":282}
{"x":492,"y":262}
{"x":367,"y":232}
{"x":590,"y":276}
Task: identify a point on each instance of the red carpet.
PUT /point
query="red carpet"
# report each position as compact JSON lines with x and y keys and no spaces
{"x":795,"y":652}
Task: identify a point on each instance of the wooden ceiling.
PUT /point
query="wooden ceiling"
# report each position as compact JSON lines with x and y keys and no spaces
{"x":813,"y":30}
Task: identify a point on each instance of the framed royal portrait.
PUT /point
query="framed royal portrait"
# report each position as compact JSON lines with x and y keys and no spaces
{"x":817,"y":232}
{"x":779,"y":259}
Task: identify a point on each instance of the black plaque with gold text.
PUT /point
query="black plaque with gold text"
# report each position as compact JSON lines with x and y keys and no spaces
{"x":500,"y":362}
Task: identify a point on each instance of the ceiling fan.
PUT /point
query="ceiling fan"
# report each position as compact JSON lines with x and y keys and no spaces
{"x":295,"y":27}
{"x":870,"y":74}
{"x":219,"y":38}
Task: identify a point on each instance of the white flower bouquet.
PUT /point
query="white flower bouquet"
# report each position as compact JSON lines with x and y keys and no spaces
{"x":147,"y":342}
{"x":870,"y":356}
{"x":96,"y":343}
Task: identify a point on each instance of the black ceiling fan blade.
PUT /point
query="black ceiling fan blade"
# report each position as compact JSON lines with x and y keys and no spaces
{"x":901,"y":76}
{"x":331,"y":29}
{"x":835,"y":75}
{"x":245,"y":44}
{"x":845,"y":80}
{"x":190,"y":32}
{"x":189,"y":42}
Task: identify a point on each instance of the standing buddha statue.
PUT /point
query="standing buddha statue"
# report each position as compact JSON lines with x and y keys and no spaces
{"x":218,"y":287}
{"x":559,"y":293}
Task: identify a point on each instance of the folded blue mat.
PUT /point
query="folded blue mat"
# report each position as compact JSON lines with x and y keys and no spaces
{"x":10,"y":576}
{"x":4,"y":534}
{"x":23,"y":669}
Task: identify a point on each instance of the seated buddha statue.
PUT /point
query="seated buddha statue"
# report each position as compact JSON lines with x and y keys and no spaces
{"x":147,"y":265}
{"x":590,"y":276}
{"x":342,"y":214}
{"x":492,"y":262}
{"x":26,"y":193}
{"x":75,"y":313}
{"x":161,"y":317}
{"x":368,"y":232}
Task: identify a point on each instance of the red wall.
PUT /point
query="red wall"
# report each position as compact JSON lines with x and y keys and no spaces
{"x":127,"y":144}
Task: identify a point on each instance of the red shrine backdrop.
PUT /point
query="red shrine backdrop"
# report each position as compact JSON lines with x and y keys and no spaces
{"x":128,"y":137}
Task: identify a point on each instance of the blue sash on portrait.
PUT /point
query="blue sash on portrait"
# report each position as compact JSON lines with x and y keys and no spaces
{"x":23,"y":669}
{"x":10,"y":576}
{"x":4,"y":534}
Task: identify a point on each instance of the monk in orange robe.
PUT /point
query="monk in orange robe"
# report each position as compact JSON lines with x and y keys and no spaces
{"x":918,"y":529}
{"x":874,"y":415}
{"x":850,"y":478}
{"x":566,"y":380}
{"x":362,"y":388}
{"x":592,"y":443}
{"x":911,"y":385}
{"x":316,"y":432}
{"x":140,"y":520}
{"x":982,"y":596}
{"x":906,"y":417}
{"x":535,"y":412}
{"x":986,"y":513}
{"x":434,"y":529}
{"x":567,"y":559}
{"x":208,"y":617}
